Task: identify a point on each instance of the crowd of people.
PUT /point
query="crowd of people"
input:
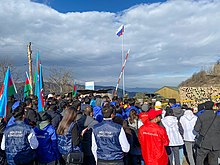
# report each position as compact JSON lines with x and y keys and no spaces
{"x":99,"y":130}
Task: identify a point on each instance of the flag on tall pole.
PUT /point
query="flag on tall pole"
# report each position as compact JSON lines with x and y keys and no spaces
{"x":41,"y":101}
{"x":27,"y":87}
{"x":8,"y":89}
{"x":74,"y":92}
{"x":119,"y":33}
{"x":36,"y":75}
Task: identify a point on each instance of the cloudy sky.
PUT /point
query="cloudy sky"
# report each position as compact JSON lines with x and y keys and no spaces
{"x":168,"y":40}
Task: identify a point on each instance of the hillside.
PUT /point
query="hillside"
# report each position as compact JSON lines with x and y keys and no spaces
{"x":204,"y":78}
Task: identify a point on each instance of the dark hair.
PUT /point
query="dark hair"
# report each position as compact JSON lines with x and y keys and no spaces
{"x":131,"y":101}
{"x":28,"y":101}
{"x":209,"y":105}
{"x":88,"y":110}
{"x":76,"y":104}
{"x":125,"y":101}
{"x":169,"y":112}
{"x":118,"y":120}
{"x":172,"y":101}
{"x":118,"y":110}
{"x":133,"y":116}
{"x":87,"y":100}
{"x":69,"y":117}
{"x":218,"y":105}
{"x":184,"y":106}
{"x":107,"y":111}
{"x":18,"y":113}
{"x":115,"y":98}
{"x":201,"y":106}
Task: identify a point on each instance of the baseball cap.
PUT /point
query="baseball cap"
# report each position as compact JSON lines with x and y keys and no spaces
{"x":152,"y":113}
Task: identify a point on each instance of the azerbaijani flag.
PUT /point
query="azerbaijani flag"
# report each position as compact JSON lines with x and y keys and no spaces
{"x":27,"y":87}
{"x":120,"y":31}
{"x":8,"y":89}
{"x":41,"y":101}
{"x":74,"y":92}
{"x":37,"y":74}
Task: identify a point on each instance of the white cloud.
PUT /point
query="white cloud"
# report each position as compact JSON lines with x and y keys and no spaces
{"x":167,"y":40}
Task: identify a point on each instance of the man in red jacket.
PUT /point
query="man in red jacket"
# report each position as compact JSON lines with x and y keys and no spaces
{"x":153,"y":139}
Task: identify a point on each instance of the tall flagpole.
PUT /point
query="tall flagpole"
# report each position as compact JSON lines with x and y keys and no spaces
{"x":122,"y":61}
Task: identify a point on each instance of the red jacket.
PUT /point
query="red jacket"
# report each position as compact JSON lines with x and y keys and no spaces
{"x":153,"y":139}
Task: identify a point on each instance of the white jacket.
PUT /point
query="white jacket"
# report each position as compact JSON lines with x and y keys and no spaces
{"x":188,"y":121}
{"x":172,"y":128}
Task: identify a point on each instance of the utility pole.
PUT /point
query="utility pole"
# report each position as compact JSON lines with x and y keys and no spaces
{"x":30,"y":66}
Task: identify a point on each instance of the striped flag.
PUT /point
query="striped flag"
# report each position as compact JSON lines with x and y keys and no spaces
{"x":74,"y":92}
{"x":8,"y":89}
{"x":120,"y":31}
{"x":37,"y":74}
{"x":41,"y":101}
{"x":27,"y":87}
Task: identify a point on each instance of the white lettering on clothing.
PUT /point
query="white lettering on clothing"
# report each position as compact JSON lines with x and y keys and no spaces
{"x":149,"y":133}
{"x":15,"y":134}
{"x":105,"y":134}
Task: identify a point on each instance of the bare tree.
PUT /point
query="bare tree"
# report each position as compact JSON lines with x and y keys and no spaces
{"x":4,"y":64}
{"x":61,"y":77}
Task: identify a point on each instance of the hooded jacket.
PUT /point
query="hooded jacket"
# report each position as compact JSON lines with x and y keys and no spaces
{"x":87,"y":136}
{"x":172,"y":128}
{"x":153,"y":139}
{"x":177,"y":111}
{"x":188,"y":121}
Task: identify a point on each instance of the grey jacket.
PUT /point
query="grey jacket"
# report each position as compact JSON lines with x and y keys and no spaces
{"x":211,"y":139}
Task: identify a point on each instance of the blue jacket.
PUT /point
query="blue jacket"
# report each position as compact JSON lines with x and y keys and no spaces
{"x":16,"y":140}
{"x":127,"y":111}
{"x":200,"y":112}
{"x":65,"y":144}
{"x":47,"y":150}
{"x":107,"y":139}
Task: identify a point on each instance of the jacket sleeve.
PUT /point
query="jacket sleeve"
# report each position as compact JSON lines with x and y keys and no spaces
{"x":123,"y":141}
{"x":75,"y":135}
{"x":54,"y":144}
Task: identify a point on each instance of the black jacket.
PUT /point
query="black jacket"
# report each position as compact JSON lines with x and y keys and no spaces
{"x":32,"y":116}
{"x":55,"y":118}
{"x":211,"y":138}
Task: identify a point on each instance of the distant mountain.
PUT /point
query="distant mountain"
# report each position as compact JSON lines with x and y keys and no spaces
{"x":130,"y":91}
{"x":51,"y":87}
{"x":147,"y":90}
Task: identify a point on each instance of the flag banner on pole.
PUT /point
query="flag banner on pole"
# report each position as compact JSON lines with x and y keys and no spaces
{"x":8,"y":89}
{"x":36,"y":75}
{"x":120,"y":31}
{"x":41,"y":101}
{"x":74,"y":92}
{"x":11,"y":85}
{"x":27,"y":86}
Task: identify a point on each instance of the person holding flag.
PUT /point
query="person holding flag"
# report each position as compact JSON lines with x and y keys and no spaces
{"x":74,"y":91}
{"x":39,"y":84}
{"x":8,"y":90}
{"x":27,"y":87}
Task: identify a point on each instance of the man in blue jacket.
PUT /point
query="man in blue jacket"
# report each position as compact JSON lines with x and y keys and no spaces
{"x":18,"y":138}
{"x":109,"y":140}
{"x":47,"y":151}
